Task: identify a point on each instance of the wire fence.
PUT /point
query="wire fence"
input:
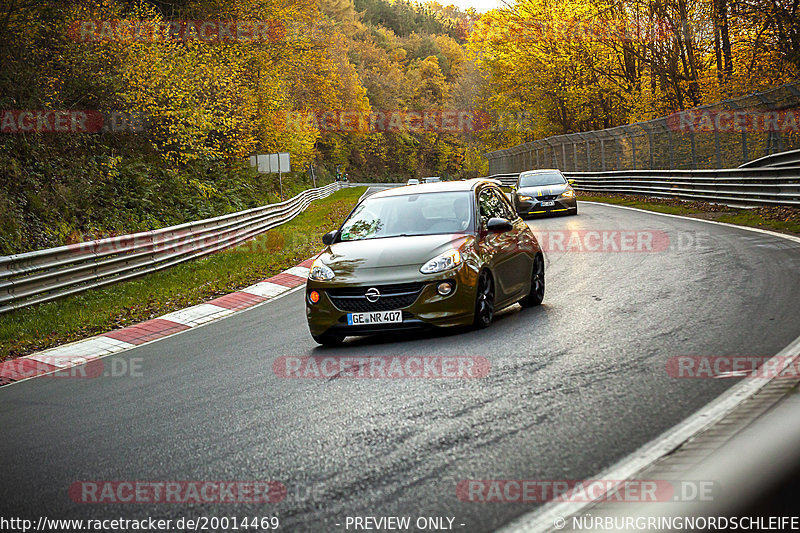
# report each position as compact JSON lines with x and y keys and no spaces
{"x":722,"y":135}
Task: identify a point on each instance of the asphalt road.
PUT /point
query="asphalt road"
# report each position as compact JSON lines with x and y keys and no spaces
{"x":574,"y":386}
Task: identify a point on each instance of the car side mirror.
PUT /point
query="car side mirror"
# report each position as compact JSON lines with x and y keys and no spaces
{"x":570,"y":181}
{"x":498,"y":225}
{"x":329,"y":237}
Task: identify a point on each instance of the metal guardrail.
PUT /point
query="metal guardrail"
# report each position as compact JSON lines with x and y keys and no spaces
{"x":790,"y":158}
{"x":44,"y":275}
{"x":507,"y":180}
{"x":736,"y":186}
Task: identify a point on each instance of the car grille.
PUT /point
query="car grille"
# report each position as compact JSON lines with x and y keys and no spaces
{"x":397,"y":296}
{"x":547,"y":197}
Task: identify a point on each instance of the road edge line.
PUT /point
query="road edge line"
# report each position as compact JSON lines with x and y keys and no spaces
{"x":542,"y":519}
{"x":684,"y":217}
{"x":91,"y":359}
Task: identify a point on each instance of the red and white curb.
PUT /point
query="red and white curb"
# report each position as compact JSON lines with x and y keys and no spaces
{"x":63,"y":357}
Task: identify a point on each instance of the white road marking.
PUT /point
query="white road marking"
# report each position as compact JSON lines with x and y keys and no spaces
{"x":198,"y":314}
{"x":265,"y":289}
{"x":298,"y":271}
{"x":131,"y":346}
{"x":748,"y":228}
{"x":81,"y":351}
{"x":542,"y":519}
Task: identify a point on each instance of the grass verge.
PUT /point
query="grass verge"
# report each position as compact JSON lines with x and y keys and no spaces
{"x":99,"y":310}
{"x":778,"y":218}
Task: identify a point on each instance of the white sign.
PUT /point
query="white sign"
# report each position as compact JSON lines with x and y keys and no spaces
{"x":271,"y":163}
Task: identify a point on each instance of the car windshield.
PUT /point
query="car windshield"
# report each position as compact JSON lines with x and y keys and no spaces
{"x":409,"y":214}
{"x":541,"y":178}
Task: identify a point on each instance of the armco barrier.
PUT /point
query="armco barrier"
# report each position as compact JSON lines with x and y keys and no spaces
{"x":790,"y":158}
{"x":737,"y":186}
{"x":43,"y":275}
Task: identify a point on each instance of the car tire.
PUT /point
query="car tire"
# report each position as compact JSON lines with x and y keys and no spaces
{"x":575,"y":212}
{"x":536,"y":295}
{"x":484,"y":300}
{"x":328,"y":339}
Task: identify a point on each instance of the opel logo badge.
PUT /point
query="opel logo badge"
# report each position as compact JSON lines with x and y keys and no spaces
{"x":373,"y":295}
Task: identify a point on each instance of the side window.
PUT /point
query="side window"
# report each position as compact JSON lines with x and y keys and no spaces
{"x":490,"y":206}
{"x":505,"y":207}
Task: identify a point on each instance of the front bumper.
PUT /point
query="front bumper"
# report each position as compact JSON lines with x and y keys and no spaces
{"x":535,"y":207}
{"x":428,"y":309}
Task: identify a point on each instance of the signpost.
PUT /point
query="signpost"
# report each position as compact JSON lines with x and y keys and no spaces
{"x":313,"y":175}
{"x":271,"y":164}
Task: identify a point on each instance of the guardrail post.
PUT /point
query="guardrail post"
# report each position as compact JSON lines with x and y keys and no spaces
{"x":745,"y":157}
{"x":602,"y":155}
{"x":671,"y":150}
{"x":588,"y":157}
{"x":574,"y":156}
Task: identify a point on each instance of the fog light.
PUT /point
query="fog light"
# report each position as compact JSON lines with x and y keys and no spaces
{"x":445,"y":288}
{"x":313,"y":297}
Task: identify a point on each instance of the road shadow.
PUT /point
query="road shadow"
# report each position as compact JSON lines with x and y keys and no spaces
{"x":503,"y":319}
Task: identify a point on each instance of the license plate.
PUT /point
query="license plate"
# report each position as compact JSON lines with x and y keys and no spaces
{"x":378,"y":317}
{"x":548,"y":204}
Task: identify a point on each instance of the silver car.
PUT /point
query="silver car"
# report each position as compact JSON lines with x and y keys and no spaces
{"x":541,"y":192}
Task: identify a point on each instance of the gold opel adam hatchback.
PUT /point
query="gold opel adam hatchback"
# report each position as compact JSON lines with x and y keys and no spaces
{"x":433,"y":255}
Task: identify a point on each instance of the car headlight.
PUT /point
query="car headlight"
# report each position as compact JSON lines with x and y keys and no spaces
{"x":568,"y":194}
{"x":320,"y":271}
{"x":440,"y":263}
{"x":523,"y":198}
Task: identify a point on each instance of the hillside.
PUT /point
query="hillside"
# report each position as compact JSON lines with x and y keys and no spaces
{"x":191,"y":106}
